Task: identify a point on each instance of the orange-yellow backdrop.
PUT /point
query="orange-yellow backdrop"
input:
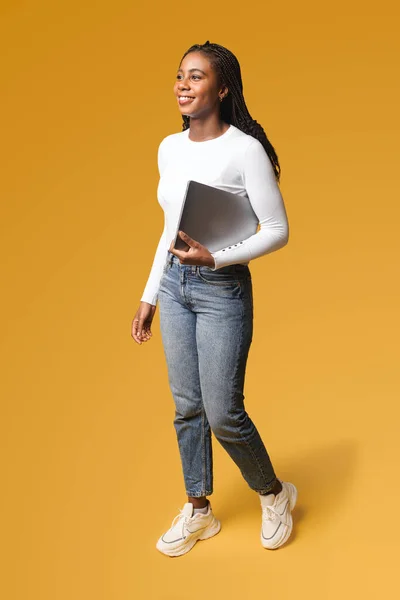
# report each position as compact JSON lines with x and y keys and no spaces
{"x":90,"y":466}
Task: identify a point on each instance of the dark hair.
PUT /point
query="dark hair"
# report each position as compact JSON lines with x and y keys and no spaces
{"x":233,"y":106}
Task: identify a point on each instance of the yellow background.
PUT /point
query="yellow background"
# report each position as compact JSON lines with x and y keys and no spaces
{"x":90,"y":466}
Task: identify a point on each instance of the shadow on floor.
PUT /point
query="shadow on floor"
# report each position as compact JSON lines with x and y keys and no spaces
{"x":322,"y":477}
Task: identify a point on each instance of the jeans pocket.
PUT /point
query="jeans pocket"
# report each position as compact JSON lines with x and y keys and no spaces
{"x":227,"y":280}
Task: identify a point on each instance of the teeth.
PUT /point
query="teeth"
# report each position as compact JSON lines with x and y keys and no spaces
{"x":186,"y":98}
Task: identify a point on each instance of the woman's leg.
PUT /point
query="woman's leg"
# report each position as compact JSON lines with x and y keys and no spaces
{"x":223,"y":302}
{"x":178,"y":330}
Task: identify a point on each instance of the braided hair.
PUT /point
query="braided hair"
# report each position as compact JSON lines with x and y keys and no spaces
{"x":233,"y":107}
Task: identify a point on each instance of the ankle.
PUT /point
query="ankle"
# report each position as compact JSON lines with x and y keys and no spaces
{"x":201,"y":502}
{"x":276,"y":488}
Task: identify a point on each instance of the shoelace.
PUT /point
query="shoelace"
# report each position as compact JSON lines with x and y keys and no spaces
{"x":270,"y":514}
{"x":185,"y":519}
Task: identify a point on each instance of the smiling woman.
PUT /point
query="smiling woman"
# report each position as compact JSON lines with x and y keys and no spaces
{"x":185,"y":98}
{"x":195,"y":88}
{"x":206,"y":298}
{"x":212,"y":71}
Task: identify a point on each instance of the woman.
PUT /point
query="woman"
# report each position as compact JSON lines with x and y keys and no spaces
{"x":205,"y":298}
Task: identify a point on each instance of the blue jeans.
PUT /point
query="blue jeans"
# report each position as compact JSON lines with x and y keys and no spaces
{"x":206,"y":322}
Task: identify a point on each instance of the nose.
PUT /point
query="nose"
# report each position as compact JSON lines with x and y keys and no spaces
{"x":182,"y":84}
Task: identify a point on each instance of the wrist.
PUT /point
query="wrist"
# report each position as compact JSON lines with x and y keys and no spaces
{"x":211,"y":262}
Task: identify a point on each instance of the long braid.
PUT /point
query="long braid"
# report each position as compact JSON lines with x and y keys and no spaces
{"x":233,"y":106}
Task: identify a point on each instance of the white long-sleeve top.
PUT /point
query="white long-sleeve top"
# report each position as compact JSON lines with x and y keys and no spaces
{"x":233,"y":161}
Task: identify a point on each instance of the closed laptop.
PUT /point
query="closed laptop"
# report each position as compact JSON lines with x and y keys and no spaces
{"x":216,"y":218}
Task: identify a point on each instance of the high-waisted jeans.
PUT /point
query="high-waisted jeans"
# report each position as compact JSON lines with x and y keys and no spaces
{"x":206,"y":322}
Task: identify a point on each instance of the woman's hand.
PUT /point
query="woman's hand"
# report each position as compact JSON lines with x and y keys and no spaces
{"x":197,"y":254}
{"x":141,"y":323}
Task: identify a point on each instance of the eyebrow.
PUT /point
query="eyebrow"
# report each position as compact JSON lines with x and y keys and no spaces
{"x":190,"y":70}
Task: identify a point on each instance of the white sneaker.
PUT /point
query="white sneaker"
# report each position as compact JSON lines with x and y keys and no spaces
{"x":277,"y":521}
{"x":186,"y":529}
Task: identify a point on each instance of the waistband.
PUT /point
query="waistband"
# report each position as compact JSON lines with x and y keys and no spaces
{"x":235,"y":268}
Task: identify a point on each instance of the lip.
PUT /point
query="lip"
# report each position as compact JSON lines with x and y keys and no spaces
{"x":182,"y":102}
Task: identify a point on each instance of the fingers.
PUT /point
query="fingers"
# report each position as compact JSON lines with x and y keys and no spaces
{"x":179,"y":253}
{"x":141,"y":331}
{"x":146,"y":333}
{"x":191,"y":254}
{"x":196,"y":254}
{"x":189,"y":241}
{"x":135,"y":324}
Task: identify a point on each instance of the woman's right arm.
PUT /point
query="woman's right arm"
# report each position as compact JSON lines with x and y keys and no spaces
{"x":141,"y":324}
{"x":150,"y":293}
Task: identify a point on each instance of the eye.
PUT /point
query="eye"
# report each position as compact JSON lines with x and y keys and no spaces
{"x":197,"y":76}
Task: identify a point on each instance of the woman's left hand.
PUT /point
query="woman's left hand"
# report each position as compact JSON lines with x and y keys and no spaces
{"x":197,"y":254}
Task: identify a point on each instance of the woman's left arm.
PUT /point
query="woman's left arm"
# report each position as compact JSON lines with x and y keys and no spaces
{"x":267,"y":202}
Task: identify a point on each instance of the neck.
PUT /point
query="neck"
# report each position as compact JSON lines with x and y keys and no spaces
{"x":200,"y":130}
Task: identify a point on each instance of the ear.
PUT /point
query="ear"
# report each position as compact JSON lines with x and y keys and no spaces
{"x":224,"y":90}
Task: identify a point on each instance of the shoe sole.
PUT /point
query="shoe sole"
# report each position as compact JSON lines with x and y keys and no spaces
{"x":210,"y":531}
{"x":292,"y":501}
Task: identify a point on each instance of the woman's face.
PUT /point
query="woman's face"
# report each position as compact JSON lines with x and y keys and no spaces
{"x":197,"y":79}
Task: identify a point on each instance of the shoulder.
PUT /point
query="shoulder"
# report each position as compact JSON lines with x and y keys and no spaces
{"x":250,"y":150}
{"x":246,"y":144}
{"x":170,"y":140}
{"x":167,"y":147}
{"x":256,"y":156}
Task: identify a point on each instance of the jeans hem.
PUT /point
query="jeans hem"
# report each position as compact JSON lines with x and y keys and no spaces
{"x":268,"y":489}
{"x":198,"y":494}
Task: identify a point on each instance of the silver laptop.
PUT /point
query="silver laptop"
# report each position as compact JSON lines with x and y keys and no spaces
{"x":215,"y":218}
